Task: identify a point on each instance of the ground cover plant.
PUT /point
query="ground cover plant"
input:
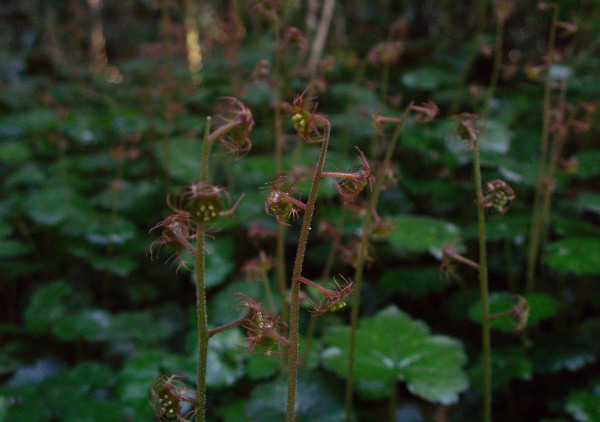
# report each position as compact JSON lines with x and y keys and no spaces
{"x":299,"y":211}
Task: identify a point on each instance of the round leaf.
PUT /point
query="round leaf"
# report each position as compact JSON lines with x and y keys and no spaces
{"x":392,"y":346}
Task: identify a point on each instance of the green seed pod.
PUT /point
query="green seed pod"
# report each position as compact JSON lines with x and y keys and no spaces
{"x":169,"y":404}
{"x":279,"y":204}
{"x":205,"y":208}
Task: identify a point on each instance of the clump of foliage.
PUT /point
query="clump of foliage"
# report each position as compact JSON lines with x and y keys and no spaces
{"x":324,"y":211}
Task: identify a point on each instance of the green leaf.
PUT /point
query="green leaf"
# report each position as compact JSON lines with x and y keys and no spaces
{"x":218,"y":261}
{"x":124,"y":195}
{"x":121,"y":265}
{"x":428,"y":78}
{"x":587,"y":163}
{"x":416,"y":282}
{"x":578,"y":255}
{"x":506,"y":365}
{"x":542,"y":307}
{"x":584,"y":406}
{"x":89,"y":325}
{"x":422,"y":234}
{"x":36,"y":121}
{"x":29,"y":174}
{"x":101,"y":229}
{"x":563,"y":351}
{"x":260,"y":366}
{"x":314,"y":401}
{"x":495,"y":138}
{"x":14,"y":152}
{"x":180,"y":157}
{"x":149,"y":326}
{"x":13,"y":248}
{"x":225,"y":359}
{"x":223,"y":306}
{"x":51,"y":205}
{"x":233,"y":412}
{"x":510,"y":227}
{"x":47,"y":305}
{"x":588,"y":201}
{"x":392,"y":346}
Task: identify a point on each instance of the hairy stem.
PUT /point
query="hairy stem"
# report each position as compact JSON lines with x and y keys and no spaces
{"x":360,"y":263}
{"x":234,"y":323}
{"x":483,"y":285}
{"x":203,"y":333}
{"x":295,"y":305}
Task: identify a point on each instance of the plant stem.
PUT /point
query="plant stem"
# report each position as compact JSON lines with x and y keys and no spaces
{"x":537,"y":222}
{"x":483,"y":284}
{"x":360,"y":262}
{"x":229,"y":325}
{"x":203,"y":333}
{"x":295,"y":305}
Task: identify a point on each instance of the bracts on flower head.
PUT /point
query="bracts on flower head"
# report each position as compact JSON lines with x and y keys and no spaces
{"x":236,"y":128}
{"x":307,"y":123}
{"x":334,"y":298}
{"x":280,"y":203}
{"x":263,"y":330}
{"x":352,"y":183}
{"x":172,"y":400}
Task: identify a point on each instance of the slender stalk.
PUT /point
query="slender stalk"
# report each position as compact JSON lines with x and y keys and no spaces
{"x":205,"y":152}
{"x":360,"y":262}
{"x":229,"y":325}
{"x":537,"y":220}
{"x":203,"y":334}
{"x":483,"y":285}
{"x":295,"y":303}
